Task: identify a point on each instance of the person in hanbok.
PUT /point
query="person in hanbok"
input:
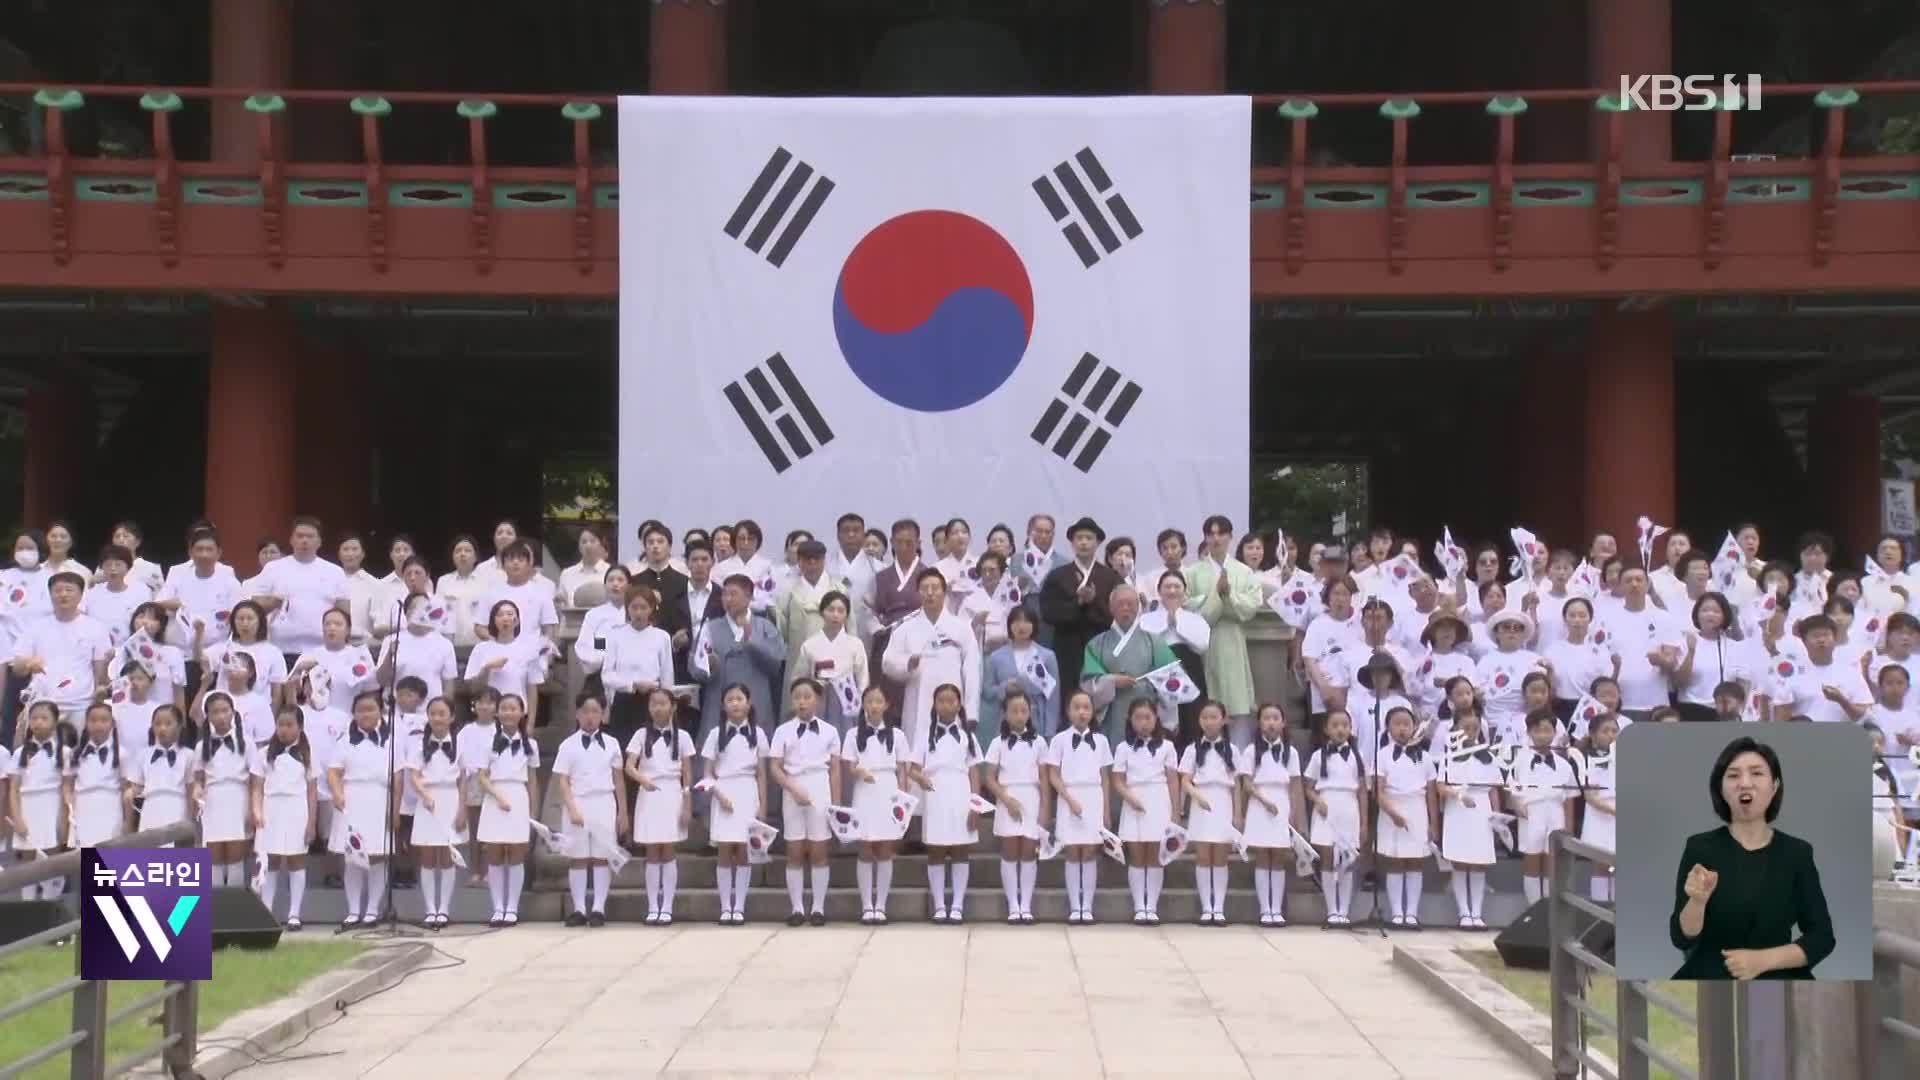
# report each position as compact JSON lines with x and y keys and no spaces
{"x":1227,"y":594}
{"x":742,"y":646}
{"x":1189,"y":637}
{"x":847,"y":563}
{"x":1114,"y":661}
{"x":895,"y":598}
{"x":1021,"y":666}
{"x":1073,"y":600}
{"x":748,"y":562}
{"x":993,"y":596}
{"x":835,"y":657}
{"x":1172,"y":546}
{"x":931,"y":648}
{"x":796,"y":605}
{"x":957,"y":563}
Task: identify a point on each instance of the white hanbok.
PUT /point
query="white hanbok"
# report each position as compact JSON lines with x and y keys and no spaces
{"x":949,"y":653}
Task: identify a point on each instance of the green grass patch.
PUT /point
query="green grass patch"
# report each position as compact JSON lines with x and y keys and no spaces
{"x":242,"y":979}
{"x":1670,"y":1034}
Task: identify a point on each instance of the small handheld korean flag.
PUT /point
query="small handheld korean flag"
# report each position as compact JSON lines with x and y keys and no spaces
{"x":1729,"y":564}
{"x":846,"y":690}
{"x":1033,"y":564}
{"x":979,"y":805}
{"x":1649,"y":532}
{"x":1781,"y":676}
{"x":1304,"y":857}
{"x":1401,"y":570}
{"x":141,"y":647}
{"x":1173,"y":844}
{"x":1451,"y":556}
{"x":1037,"y":673}
{"x":704,"y":785}
{"x":845,"y":823}
{"x":357,"y":849}
{"x":1585,"y":713}
{"x":453,"y":851}
{"x":1291,"y":602}
{"x":605,"y":846}
{"x":1172,"y":683}
{"x":558,"y":843}
{"x":1440,"y":861}
{"x":120,"y":689}
{"x":1913,"y":754}
{"x":902,"y":806}
{"x":1585,"y":580}
{"x":1502,"y":826}
{"x":259,"y":870}
{"x":1239,"y":841}
{"x":1110,"y":843}
{"x":1345,"y":856}
{"x":760,"y":838}
{"x":1050,"y":847}
{"x":1527,"y":548}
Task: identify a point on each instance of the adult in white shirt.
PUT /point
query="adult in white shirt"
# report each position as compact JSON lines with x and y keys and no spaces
{"x":1334,"y":631}
{"x":113,"y":600}
{"x":505,"y":534}
{"x":127,"y":534}
{"x":933,"y":647}
{"x":414,"y":580}
{"x":60,"y":558}
{"x":66,"y":653}
{"x":1826,"y":689}
{"x":1713,"y":656}
{"x":348,"y":664}
{"x":531,"y":596}
{"x":1665,"y":582}
{"x":638,"y":658}
{"x":747,"y":562}
{"x":591,"y":569}
{"x":420,"y":650}
{"x":365,"y":594}
{"x":201,"y":590}
{"x":599,"y":623}
{"x":957,"y":563}
{"x":297,"y":589}
{"x":510,"y":658}
{"x":987,"y":605}
{"x":462,"y":588}
{"x":847,"y":561}
{"x":1650,"y":644}
{"x":395,"y":588}
{"x":1411,"y":621}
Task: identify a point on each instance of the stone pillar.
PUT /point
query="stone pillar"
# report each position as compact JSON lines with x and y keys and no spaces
{"x":688,"y":53}
{"x":1631,"y":38}
{"x":1186,"y":46}
{"x":62,"y":436}
{"x":1628,"y":445}
{"x":1843,"y":470}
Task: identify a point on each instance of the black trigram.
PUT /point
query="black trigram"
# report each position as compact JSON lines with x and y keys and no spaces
{"x":776,"y":399}
{"x":1085,"y":208}
{"x":1084,"y":402}
{"x":773,"y":212}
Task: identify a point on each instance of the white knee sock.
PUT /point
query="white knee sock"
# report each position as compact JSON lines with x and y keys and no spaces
{"x":797,"y":885}
{"x":516,"y":882}
{"x":1462,"y":906}
{"x":1330,"y":891}
{"x":1089,"y":884}
{"x":449,"y":881}
{"x":1073,"y":887}
{"x":1010,"y":884}
{"x":653,"y":888}
{"x":960,"y":872}
{"x":602,"y":877}
{"x":723,"y":877}
{"x":1416,"y":883}
{"x":1279,"y":883}
{"x":669,"y":881}
{"x":268,"y":881}
{"x":882,"y":883}
{"x":429,"y":890}
{"x":1346,"y":892}
{"x":1477,"y":887}
{"x":1220,"y":889}
{"x":1531,"y":885}
{"x":356,"y":880}
{"x":1137,"y":885}
{"x":742,"y":884}
{"x":1260,"y":887}
{"x":497,"y":888}
{"x":817,"y":877}
{"x":296,"y":892}
{"x":863,"y":876}
{"x":1155,"y":876}
{"x":1029,"y":876}
{"x":1396,"y":882}
{"x":937,"y":886}
{"x":1601,"y":888}
{"x":577,"y":888}
{"x":377,"y":889}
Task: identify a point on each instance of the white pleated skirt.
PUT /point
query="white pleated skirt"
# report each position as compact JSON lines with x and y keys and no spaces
{"x":1083,"y":828}
{"x":874,"y":803}
{"x":162,"y":808}
{"x":1598,"y":828}
{"x":731,"y":828}
{"x":1213,"y":826}
{"x":807,"y":822}
{"x":97,"y":816}
{"x":507,"y":826}
{"x":944,"y":811}
{"x":41,"y":810}
{"x":1340,"y":826}
{"x":286,"y":828}
{"x":1410,"y":842}
{"x":366,"y":813}
{"x":598,"y":811}
{"x":1148,"y":826}
{"x":656,"y":814}
{"x":434,"y":828}
{"x":1028,"y":796}
{"x":1466,"y":833}
{"x":224,"y":820}
{"x":1269,"y":830}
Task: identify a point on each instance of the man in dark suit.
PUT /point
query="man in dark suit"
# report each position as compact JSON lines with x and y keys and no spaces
{"x":698,"y":603}
{"x":1073,"y":600}
{"x":656,"y":572}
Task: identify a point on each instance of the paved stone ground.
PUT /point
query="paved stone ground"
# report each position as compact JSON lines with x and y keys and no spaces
{"x":905,"y":1000}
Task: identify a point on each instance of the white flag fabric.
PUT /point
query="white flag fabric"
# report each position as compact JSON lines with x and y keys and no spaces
{"x":1172,"y":683}
{"x":924,"y":307}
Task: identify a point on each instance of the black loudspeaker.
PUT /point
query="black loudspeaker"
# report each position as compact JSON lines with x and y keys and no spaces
{"x":239,"y":918}
{"x":25,"y":918}
{"x":1526,"y":942}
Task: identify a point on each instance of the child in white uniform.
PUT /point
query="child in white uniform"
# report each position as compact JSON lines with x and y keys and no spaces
{"x":876,"y":753}
{"x":1146,"y":777}
{"x":163,"y":775}
{"x":1078,"y":763}
{"x":1470,"y":780}
{"x":40,"y":766}
{"x":223,"y":791}
{"x":1593,"y":763}
{"x":736,"y":759}
{"x":1210,"y":779}
{"x":660,"y":762}
{"x":1016,"y":778}
{"x":167,"y":665}
{"x":587,"y":770}
{"x":284,"y":797}
{"x":473,"y":745}
{"x":133,"y":709}
{"x":97,"y":781}
{"x":1269,"y":770}
{"x":1336,"y":782}
{"x":1542,"y":784}
{"x":440,"y":814}
{"x":944,"y":767}
{"x":1404,"y":787}
{"x":506,"y":776}
{"x":361,"y":776}
{"x":800,"y":760}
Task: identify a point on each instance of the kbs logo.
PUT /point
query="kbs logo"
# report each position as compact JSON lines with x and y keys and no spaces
{"x":1694,"y":93}
{"x":144,"y":914}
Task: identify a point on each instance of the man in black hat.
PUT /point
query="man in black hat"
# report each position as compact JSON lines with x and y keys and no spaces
{"x":1073,"y":600}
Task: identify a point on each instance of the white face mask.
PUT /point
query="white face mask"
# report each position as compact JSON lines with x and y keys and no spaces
{"x":26,"y":559}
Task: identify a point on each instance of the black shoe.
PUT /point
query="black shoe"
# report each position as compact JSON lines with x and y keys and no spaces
{"x":797,"y":919}
{"x":818,"y":918}
{"x":576,"y":919}
{"x":598,"y":918}
{"x":332,"y":881}
{"x":408,"y":880}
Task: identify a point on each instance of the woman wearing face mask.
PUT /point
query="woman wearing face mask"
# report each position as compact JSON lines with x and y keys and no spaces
{"x":23,"y":599}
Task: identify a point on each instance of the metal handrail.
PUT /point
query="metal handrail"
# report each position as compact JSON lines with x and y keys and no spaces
{"x":86,"y":1041}
{"x":1891,"y":1044}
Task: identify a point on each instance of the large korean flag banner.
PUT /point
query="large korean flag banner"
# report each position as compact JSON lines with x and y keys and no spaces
{"x":983,"y":307}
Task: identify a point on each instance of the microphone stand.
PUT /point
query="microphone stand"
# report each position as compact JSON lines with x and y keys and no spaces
{"x":1373,"y":834}
{"x":393,"y":761}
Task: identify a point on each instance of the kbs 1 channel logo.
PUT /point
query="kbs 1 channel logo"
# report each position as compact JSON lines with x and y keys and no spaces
{"x":146,"y":913}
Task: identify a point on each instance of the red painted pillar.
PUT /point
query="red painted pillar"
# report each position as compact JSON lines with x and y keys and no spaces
{"x":1843,"y":468}
{"x":1186,"y":46}
{"x":1631,"y":38}
{"x":688,"y":53}
{"x":1629,"y":445}
{"x":62,"y":435}
{"x":333,"y":472}
{"x":250,"y":409}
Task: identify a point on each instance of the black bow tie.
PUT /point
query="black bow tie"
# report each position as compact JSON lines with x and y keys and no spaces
{"x":159,"y":753}
{"x":1277,"y":749}
{"x":1218,"y":746}
{"x":1088,"y":737}
{"x":949,"y":729}
{"x":275,"y":749}
{"x":1540,"y":758}
{"x":1411,"y":753}
{"x":1149,"y":745}
{"x":359,"y":735}
{"x":883,"y":733}
{"x":99,"y":749}
{"x":440,"y":746}
{"x":746,"y":731}
{"x":811,"y":727}
{"x":514,"y":745}
{"x":229,"y":741}
{"x":655,"y":734}
{"x":595,"y":739}
{"x":1011,"y":737}
{"x":35,"y":747}
{"x":1484,"y":757}
{"x":1345,"y":750}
